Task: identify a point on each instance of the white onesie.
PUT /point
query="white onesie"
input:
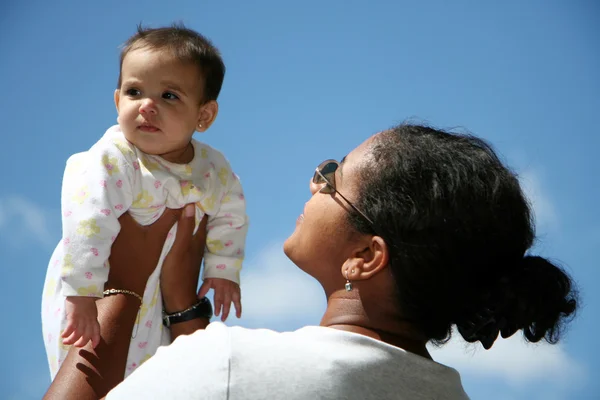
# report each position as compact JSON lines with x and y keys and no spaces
{"x":114,"y":177}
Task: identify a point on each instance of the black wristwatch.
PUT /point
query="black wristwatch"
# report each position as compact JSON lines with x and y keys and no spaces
{"x":202,"y":309}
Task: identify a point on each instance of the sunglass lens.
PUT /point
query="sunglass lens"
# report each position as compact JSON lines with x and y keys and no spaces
{"x":326,"y":170}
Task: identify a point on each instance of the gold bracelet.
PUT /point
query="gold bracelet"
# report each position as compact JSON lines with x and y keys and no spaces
{"x":123,"y":291}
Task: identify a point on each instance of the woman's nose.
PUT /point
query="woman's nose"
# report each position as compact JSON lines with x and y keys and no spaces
{"x":314,"y":188}
{"x":148,"y":107}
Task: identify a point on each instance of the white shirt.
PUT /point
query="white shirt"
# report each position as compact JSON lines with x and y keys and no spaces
{"x":311,"y":363}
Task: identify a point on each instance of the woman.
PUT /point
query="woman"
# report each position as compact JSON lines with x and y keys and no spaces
{"x":415,"y":231}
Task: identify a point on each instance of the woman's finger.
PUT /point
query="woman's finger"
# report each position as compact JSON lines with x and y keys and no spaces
{"x":126,"y":221}
{"x":185,"y":229}
{"x":165,"y":222}
{"x":129,"y":228}
{"x":200,"y":236}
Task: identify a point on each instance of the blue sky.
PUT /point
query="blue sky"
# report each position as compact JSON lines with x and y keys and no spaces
{"x":308,"y":81}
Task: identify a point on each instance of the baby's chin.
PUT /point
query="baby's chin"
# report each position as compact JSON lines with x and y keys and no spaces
{"x":153,"y":149}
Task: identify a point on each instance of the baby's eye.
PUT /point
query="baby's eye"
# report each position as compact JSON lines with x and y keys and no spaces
{"x":169,"y":96}
{"x":132,"y":92}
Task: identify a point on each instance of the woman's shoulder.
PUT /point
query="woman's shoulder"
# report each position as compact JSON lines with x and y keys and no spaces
{"x":230,"y":360}
{"x":249,"y":341}
{"x":346,"y":359}
{"x":320,"y":343}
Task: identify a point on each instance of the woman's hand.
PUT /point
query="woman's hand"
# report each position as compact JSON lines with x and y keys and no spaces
{"x":136,"y":250}
{"x":181,"y":268}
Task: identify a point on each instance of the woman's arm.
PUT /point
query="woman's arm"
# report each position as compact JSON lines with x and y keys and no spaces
{"x":179,"y":280}
{"x":89,"y":373}
{"x":188,"y":327}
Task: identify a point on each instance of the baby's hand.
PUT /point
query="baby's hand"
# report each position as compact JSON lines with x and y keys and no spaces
{"x":82,"y":321}
{"x":226,"y":291}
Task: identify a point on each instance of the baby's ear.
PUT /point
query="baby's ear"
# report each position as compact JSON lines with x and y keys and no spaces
{"x":207,"y":113}
{"x":117,"y":98}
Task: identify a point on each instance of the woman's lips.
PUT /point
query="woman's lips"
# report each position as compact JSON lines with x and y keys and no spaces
{"x":301,"y":216}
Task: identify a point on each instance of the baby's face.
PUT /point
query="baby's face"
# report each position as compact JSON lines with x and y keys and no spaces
{"x":159,"y":101}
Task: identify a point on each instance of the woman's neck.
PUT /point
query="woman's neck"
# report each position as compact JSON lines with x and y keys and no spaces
{"x":347,"y":311}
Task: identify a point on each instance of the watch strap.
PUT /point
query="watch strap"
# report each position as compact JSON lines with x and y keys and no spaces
{"x":202,"y":309}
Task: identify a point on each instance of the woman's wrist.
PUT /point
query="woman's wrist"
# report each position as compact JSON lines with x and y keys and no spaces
{"x":188,"y":327}
{"x":112,"y":292}
{"x":124,"y":289}
{"x":90,"y":373}
{"x":186,"y":322}
{"x":178,"y":302}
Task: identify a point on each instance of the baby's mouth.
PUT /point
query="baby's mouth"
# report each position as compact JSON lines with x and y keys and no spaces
{"x":145,"y":127}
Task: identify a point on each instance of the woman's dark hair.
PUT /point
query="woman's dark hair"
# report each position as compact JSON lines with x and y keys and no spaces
{"x":458,"y":228}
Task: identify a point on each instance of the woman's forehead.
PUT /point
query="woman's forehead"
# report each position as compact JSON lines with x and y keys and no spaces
{"x":357,"y":156}
{"x":352,"y":164}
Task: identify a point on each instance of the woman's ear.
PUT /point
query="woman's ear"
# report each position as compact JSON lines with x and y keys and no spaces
{"x":367,"y":261}
{"x":207,"y":113}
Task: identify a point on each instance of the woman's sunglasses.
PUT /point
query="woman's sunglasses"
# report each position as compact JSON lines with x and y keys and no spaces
{"x":325,"y":174}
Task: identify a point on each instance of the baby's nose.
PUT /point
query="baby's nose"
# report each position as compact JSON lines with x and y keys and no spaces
{"x":148,"y":107}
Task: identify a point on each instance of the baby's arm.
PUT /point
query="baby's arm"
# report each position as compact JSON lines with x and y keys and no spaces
{"x":226,"y":236}
{"x":97,"y":189}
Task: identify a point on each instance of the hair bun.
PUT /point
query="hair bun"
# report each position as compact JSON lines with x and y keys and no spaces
{"x":555,"y":287}
{"x":538,"y":297}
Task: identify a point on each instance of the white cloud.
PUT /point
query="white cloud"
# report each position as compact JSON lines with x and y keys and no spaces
{"x":545,"y":211}
{"x":277,"y":295}
{"x":2,"y":215}
{"x":513,"y":360}
{"x":22,"y":220}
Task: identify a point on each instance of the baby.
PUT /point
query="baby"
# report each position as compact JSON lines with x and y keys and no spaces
{"x":168,"y":86}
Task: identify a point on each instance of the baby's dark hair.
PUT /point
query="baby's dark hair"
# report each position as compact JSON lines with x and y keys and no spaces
{"x":185,"y":44}
{"x":458,"y":228}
